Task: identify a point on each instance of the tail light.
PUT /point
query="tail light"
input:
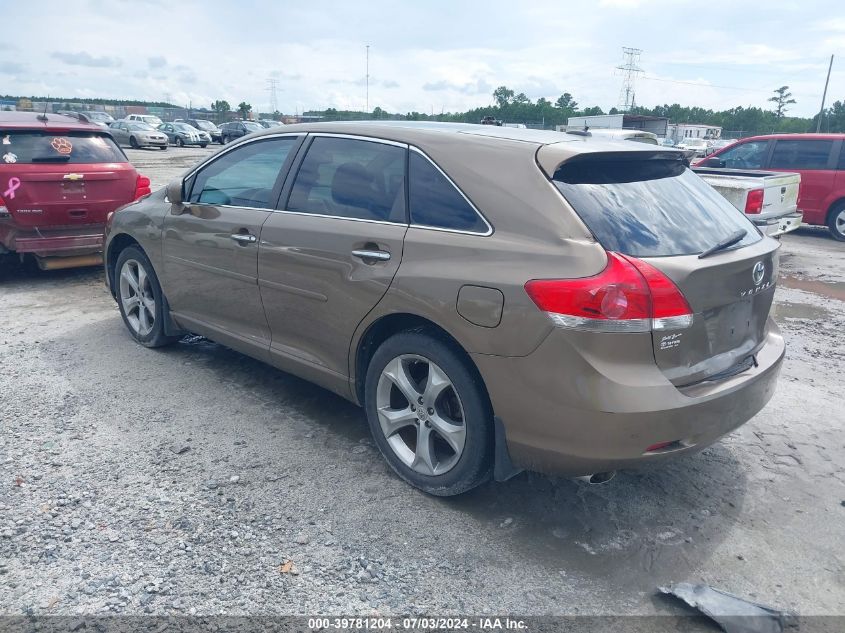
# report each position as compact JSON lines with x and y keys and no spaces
{"x":4,"y":212}
{"x":754,"y":201}
{"x":142,"y":187}
{"x":629,"y":295}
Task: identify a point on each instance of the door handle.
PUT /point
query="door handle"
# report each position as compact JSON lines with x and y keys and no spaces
{"x":365,"y":254}
{"x":244,"y":238}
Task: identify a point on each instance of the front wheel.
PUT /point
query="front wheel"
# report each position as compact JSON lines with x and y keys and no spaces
{"x":429,"y":414}
{"x":140,"y":298}
{"x":180,"y":142}
{"x":836,"y":222}
{"x":133,"y":143}
{"x":163,"y":147}
{"x":203,"y":145}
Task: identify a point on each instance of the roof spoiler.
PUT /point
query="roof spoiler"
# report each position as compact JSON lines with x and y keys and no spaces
{"x":584,"y":132}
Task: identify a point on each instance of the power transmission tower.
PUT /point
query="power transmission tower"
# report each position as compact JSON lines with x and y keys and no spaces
{"x":367,"y":81}
{"x":272,"y":86}
{"x":630,"y":70}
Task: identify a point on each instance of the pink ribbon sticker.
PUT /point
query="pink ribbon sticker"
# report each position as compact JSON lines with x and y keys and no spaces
{"x":14,"y":184}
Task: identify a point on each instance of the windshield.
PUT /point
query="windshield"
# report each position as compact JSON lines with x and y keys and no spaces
{"x":205,"y":125}
{"x":252,"y":127}
{"x":154,"y":120}
{"x":146,"y":127}
{"x":99,"y":116}
{"x":184,"y":127}
{"x":46,"y":147}
{"x":651,"y":207}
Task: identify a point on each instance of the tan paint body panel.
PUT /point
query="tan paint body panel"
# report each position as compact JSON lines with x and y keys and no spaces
{"x":571,"y":402}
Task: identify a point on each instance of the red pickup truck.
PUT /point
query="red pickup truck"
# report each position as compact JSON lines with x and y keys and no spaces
{"x":59,"y":180}
{"x":819,"y":158}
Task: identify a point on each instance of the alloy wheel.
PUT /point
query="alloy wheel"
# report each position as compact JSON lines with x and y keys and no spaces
{"x":839,"y":222}
{"x":420,"y":414}
{"x":137,"y":298}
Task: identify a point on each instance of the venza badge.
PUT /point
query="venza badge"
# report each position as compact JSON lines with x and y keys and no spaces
{"x":758,"y":272}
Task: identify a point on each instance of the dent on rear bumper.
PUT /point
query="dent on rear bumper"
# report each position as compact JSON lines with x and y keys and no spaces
{"x":574,"y":410}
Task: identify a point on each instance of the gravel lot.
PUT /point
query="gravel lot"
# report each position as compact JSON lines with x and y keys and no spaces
{"x":192,"y":479}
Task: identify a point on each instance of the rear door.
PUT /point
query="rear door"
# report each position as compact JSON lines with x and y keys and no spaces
{"x":62,"y":178}
{"x":814,"y":160}
{"x":329,"y":255}
{"x":661,"y":212}
{"x":211,"y":241}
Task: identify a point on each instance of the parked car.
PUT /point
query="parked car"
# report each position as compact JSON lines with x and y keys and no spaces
{"x":699,"y":146}
{"x":268,"y":123}
{"x":819,"y":158}
{"x":103,"y":119}
{"x":58,"y":181}
{"x":486,"y":321}
{"x":231,"y":130}
{"x":208,"y":127}
{"x":770,"y":199}
{"x":150,"y":119}
{"x":182,"y":134}
{"x":137,"y":134}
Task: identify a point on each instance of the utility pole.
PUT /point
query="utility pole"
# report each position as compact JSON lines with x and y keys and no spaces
{"x":367,"y":82}
{"x":272,"y":86}
{"x":824,"y":96}
{"x":630,"y":69}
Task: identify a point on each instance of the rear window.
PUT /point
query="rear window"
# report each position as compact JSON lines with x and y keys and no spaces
{"x":71,"y":148}
{"x":650,"y":208}
{"x":800,"y":154}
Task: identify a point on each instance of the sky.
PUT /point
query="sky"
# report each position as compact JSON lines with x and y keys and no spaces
{"x":428,"y":56}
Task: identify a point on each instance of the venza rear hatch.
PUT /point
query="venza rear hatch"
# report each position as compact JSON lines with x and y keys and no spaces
{"x":653,"y":208}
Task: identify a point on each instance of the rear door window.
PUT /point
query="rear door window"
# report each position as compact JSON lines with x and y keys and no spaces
{"x":70,"y":148}
{"x":800,"y":154}
{"x":351,"y":178}
{"x":436,"y":203}
{"x":244,"y":177}
{"x":649,"y":207}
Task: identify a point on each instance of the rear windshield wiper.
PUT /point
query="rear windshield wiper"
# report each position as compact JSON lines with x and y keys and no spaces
{"x":730,"y":240}
{"x":50,"y":159}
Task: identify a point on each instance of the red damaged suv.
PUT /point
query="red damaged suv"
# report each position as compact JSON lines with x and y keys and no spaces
{"x":59,"y":179}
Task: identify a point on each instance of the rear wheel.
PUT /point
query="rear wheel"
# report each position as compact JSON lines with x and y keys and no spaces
{"x":428,"y":415}
{"x":133,"y":143}
{"x":140,"y":298}
{"x":836,"y":222}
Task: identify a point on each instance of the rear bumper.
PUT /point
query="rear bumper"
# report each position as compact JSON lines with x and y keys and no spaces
{"x":774,"y":227}
{"x":571,"y":412}
{"x":48,"y":243}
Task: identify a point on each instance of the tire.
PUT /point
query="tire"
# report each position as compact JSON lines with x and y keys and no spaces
{"x":836,"y":222}
{"x":136,"y":314}
{"x":180,"y":142}
{"x":203,"y":145}
{"x":461,"y":412}
{"x":223,"y":140}
{"x":133,"y":143}
{"x":163,"y":147}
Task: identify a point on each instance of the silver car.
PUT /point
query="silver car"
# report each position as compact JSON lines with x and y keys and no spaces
{"x":182,"y":134}
{"x":136,"y":134}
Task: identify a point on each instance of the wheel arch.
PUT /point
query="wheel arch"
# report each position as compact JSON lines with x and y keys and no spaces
{"x":118,"y":244}
{"x":840,"y":201}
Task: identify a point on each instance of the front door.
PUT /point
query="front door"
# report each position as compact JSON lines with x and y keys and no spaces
{"x":329,"y":255}
{"x":211,"y":242}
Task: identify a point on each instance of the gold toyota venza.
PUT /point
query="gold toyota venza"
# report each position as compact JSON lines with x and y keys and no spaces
{"x":496,"y":299}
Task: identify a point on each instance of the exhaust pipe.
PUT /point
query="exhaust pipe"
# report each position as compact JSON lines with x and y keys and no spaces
{"x":597,"y":478}
{"x":76,"y":261}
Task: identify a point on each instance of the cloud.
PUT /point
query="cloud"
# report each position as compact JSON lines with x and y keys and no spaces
{"x":157,"y":62}
{"x":390,"y":84}
{"x":478,"y":87}
{"x":86,"y":59}
{"x":12,"y":68}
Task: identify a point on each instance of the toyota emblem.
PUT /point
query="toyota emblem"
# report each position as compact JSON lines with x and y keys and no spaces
{"x":758,"y":272}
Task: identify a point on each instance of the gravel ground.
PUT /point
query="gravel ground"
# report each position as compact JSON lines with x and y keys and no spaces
{"x":193,"y":479}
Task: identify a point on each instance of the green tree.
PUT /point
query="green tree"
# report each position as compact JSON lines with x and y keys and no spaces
{"x":222,"y":108}
{"x":244,"y":109}
{"x":503,"y":96}
{"x":566,"y":102}
{"x":378,"y":113}
{"x":782,"y":99}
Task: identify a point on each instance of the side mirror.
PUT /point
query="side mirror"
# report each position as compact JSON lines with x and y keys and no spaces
{"x":174,"y":191}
